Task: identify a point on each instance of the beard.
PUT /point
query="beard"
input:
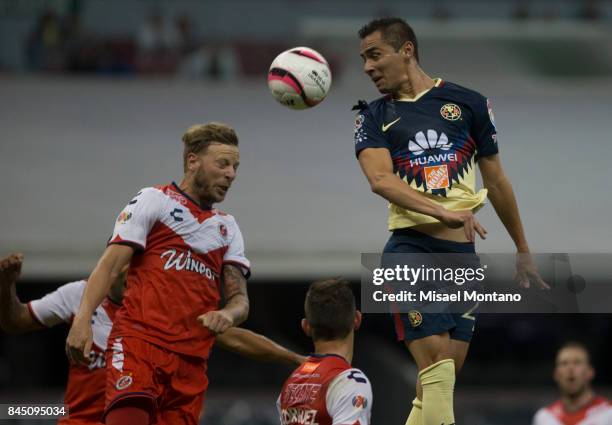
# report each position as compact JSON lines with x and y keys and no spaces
{"x":205,"y":190}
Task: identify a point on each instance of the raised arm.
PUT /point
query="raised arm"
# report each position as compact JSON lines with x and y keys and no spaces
{"x":15,"y":317}
{"x":109,"y":269}
{"x":377,"y":166}
{"x":257,"y":347}
{"x":236,"y":308}
{"x":502,"y":198}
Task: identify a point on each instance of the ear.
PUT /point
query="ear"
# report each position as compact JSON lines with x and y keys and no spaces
{"x":555,"y":375}
{"x":358,"y":318}
{"x":193,"y":161}
{"x":407,"y":49}
{"x":306,"y":328}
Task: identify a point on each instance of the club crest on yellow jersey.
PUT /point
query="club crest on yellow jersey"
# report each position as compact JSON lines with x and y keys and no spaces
{"x":450,"y":112}
{"x":415,"y":318}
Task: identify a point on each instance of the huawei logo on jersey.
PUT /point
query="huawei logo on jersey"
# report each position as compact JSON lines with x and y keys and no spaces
{"x":432,"y":141}
{"x":183,"y":261}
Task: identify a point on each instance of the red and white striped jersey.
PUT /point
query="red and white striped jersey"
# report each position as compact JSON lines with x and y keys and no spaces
{"x":176,"y":274}
{"x":597,"y":412}
{"x":85,"y":388}
{"x":325,"y":390}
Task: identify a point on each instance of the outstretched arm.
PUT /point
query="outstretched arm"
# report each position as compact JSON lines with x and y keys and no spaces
{"x":236,"y":308}
{"x":109,"y":269}
{"x":377,"y":166}
{"x":257,"y":347}
{"x":502,"y":198}
{"x":15,"y":317}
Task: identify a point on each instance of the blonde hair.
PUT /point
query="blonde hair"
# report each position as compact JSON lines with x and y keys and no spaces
{"x":198,"y":137}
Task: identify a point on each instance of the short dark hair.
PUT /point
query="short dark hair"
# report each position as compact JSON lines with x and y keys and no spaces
{"x":395,"y":32}
{"x":198,"y":137}
{"x":330,"y":309}
{"x":575,"y":344}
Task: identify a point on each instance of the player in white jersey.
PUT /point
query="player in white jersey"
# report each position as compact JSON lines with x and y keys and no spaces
{"x":86,"y":383}
{"x":578,"y":404}
{"x":326,"y":390}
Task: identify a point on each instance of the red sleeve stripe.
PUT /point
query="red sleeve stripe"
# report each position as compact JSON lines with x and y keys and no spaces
{"x":119,"y":241}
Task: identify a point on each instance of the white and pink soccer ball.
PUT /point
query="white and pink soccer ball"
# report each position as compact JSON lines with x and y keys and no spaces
{"x":299,"y":78}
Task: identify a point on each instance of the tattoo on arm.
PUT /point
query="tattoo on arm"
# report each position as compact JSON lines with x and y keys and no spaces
{"x":234,"y":282}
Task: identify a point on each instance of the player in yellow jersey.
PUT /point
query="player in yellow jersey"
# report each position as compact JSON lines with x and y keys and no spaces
{"x":418,"y":147}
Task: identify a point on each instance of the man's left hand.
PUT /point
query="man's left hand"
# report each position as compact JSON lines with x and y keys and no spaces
{"x":527,"y":272}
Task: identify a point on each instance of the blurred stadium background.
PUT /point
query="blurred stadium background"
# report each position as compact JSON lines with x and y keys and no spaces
{"x":96,"y":94}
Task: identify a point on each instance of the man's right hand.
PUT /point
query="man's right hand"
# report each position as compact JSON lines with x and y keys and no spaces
{"x":465,"y":219}
{"x":10,"y":269}
{"x":79,"y":342}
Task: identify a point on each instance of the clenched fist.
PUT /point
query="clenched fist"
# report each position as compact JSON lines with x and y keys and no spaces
{"x":217,"y":321}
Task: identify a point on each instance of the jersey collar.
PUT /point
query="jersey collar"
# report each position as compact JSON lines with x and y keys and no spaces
{"x":203,"y":207}
{"x":437,"y":83}
{"x":322,"y":356}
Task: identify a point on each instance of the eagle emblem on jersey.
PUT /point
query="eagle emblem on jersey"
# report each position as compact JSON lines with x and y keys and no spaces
{"x":450,"y":112}
{"x":433,"y":162}
{"x":415,"y":318}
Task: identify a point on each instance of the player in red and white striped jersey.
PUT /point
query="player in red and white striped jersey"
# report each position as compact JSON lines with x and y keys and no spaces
{"x":85,"y":388}
{"x":578,"y":404}
{"x":183,"y":256}
{"x":326,"y":390}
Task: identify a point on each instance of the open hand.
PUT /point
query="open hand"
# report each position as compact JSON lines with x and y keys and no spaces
{"x":465,"y":219}
{"x":79,"y":341}
{"x":527,"y":272}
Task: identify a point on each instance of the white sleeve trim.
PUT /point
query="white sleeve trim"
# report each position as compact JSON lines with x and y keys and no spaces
{"x":60,"y":305}
{"x":349,"y":398}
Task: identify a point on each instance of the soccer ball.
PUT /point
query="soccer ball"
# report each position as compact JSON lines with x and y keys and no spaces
{"x":299,"y":78}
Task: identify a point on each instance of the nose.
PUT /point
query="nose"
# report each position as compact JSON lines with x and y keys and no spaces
{"x":230,"y":174}
{"x":367,"y":67}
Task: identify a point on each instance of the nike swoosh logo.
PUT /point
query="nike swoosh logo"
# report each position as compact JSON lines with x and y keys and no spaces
{"x":385,"y":127}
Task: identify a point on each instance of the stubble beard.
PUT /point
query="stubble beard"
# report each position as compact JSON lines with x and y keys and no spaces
{"x":201,"y":190}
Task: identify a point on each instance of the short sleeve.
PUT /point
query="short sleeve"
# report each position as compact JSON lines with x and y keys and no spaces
{"x":483,"y":129}
{"x":58,"y":306}
{"x":368,"y":133}
{"x":137,"y":218}
{"x":349,"y":398}
{"x":279,"y":410}
{"x":235,"y":252}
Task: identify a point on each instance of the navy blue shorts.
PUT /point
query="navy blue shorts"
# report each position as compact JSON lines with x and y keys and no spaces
{"x":414,"y":325}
